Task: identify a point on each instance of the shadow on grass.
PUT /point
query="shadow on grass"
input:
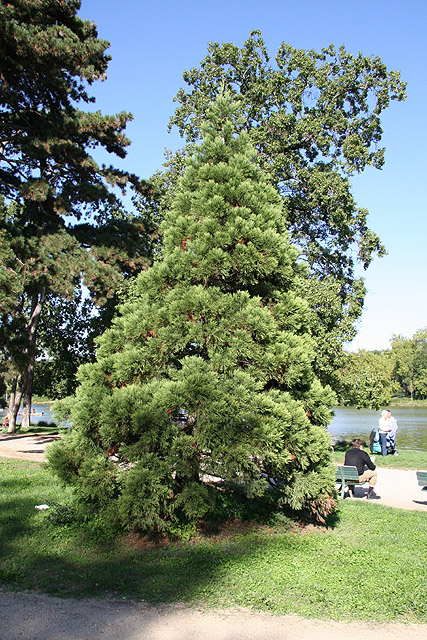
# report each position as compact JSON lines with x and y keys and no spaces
{"x":67,"y":561}
{"x":63,"y":559}
{"x":171,"y":573}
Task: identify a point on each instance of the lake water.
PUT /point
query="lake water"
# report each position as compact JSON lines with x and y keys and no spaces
{"x":43,"y":409}
{"x":349,"y":423}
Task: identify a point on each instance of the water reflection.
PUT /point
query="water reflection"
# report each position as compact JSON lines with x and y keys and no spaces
{"x":351,"y":423}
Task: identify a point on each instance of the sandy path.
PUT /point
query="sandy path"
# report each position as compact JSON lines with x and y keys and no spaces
{"x":25,"y":447}
{"x":34,"y":617}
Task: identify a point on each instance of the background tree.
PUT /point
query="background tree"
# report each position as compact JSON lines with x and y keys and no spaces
{"x":49,"y":57}
{"x":411,"y":362}
{"x":314,"y":118}
{"x":65,"y":341}
{"x":366,"y":379}
{"x":207,"y":373}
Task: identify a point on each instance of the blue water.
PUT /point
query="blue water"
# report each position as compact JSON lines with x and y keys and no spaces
{"x":35,"y":419}
{"x":349,"y":423}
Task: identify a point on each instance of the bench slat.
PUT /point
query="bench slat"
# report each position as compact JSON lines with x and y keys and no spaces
{"x":346,"y":475}
{"x":422,"y":479}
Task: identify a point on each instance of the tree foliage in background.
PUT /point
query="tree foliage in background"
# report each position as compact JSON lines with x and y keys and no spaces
{"x":314,"y":118}
{"x":65,"y":341}
{"x":67,"y":223}
{"x":410,"y":356}
{"x":204,"y":383}
{"x":366,"y":379}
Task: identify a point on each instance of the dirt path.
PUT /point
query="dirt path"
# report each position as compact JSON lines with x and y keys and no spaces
{"x":34,"y":617}
{"x":29,"y":616}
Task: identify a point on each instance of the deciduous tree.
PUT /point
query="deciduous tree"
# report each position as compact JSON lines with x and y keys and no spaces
{"x":366,"y":379}
{"x":411,"y":362}
{"x":314,"y":118}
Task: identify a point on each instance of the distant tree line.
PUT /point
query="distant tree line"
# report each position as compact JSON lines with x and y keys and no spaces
{"x":371,"y":378}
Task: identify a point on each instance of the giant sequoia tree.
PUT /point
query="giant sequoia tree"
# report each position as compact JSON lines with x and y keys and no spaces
{"x":65,"y":223}
{"x":206,"y":374}
{"x":314,"y":118}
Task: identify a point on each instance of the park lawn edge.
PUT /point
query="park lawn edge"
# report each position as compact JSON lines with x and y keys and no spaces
{"x":281,"y":568}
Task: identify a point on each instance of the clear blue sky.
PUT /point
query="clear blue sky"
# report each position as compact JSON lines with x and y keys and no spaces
{"x":152,"y":43}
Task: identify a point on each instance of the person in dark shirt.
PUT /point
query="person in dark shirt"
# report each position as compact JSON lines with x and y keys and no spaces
{"x":358,"y":458}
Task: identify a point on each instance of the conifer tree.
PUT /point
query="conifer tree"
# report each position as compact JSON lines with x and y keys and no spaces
{"x":61,"y":219}
{"x":206,"y":374}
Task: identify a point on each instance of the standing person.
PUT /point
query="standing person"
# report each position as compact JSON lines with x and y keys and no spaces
{"x":384,"y":428}
{"x":391,"y":436}
{"x":358,"y":458}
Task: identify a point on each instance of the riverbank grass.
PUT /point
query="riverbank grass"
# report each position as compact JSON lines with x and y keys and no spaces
{"x":405,"y":459}
{"x":282,"y":567}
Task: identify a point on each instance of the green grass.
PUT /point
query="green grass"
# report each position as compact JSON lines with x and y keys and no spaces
{"x":405,"y":459}
{"x":407,"y":402}
{"x":50,"y":429}
{"x":369,"y":564}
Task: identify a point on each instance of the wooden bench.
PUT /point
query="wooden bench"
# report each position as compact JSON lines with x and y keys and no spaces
{"x":346,"y":475}
{"x":422,"y":479}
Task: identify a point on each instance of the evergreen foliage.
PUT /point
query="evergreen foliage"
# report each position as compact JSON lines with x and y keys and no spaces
{"x":49,"y":180}
{"x":204,"y":382}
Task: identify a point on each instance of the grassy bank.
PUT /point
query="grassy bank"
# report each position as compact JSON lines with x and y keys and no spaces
{"x":407,"y":402}
{"x":280,"y":568}
{"x":405,"y":459}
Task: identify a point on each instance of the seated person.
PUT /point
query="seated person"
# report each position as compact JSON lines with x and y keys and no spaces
{"x":358,"y":458}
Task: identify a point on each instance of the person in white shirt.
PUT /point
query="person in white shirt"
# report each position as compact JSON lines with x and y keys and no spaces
{"x":385,"y":426}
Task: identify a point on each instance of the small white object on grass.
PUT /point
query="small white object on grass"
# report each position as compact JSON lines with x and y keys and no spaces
{"x":41,"y":507}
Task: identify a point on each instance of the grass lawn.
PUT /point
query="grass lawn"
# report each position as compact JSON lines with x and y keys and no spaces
{"x":368,"y":564}
{"x":405,"y":459}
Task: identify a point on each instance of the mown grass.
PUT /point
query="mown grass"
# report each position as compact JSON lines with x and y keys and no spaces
{"x":405,"y":459}
{"x":368,"y":564}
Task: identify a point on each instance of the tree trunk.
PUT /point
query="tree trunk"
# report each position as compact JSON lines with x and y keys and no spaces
{"x":26,"y":388}
{"x":14,"y":404}
{"x":28,"y":394}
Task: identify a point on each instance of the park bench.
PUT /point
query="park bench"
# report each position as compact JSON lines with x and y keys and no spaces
{"x":346,"y":475}
{"x":422,"y":479}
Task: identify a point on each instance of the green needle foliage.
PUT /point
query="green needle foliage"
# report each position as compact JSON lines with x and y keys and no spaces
{"x":204,"y":383}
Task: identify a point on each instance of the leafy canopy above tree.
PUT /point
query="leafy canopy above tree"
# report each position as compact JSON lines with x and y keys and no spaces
{"x":314,"y":118}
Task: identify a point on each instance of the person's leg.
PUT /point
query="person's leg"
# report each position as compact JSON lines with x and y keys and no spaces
{"x":371,"y":477}
{"x":351,"y":489}
{"x":383,"y":441}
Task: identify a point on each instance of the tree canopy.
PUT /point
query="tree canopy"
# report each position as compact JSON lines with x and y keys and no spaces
{"x":204,"y":382}
{"x":366,"y":379}
{"x":50,"y":180}
{"x":314,"y":119}
{"x":410,"y":356}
